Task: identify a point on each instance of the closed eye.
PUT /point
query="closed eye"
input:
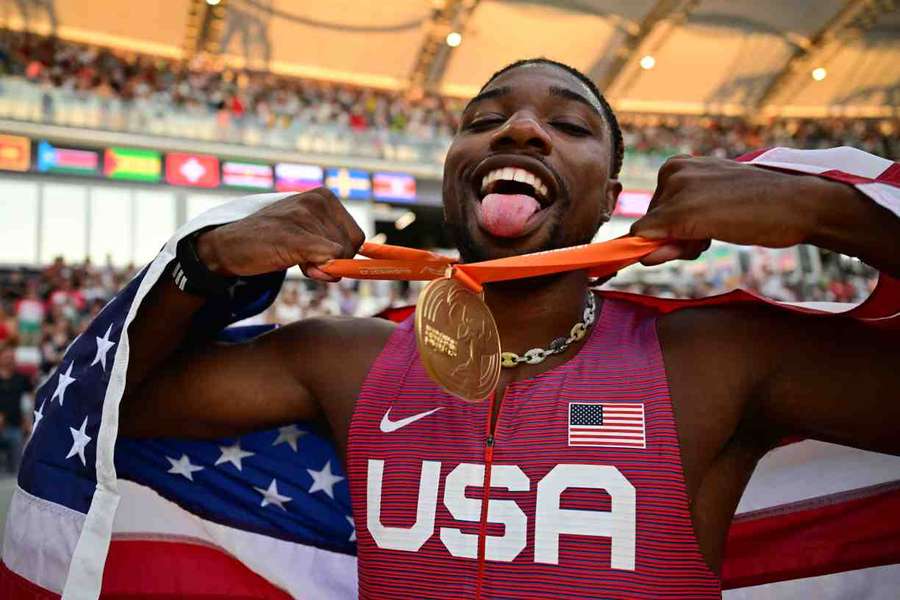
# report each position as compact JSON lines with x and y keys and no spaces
{"x":571,"y":128}
{"x":485,"y":123}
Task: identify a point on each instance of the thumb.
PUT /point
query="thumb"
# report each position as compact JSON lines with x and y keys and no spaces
{"x":314,"y":272}
{"x":650,"y":227}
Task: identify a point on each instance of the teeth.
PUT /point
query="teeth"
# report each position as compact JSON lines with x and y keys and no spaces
{"x":515,"y":174}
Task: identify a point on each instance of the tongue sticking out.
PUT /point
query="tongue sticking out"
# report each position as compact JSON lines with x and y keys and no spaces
{"x":505,"y":215}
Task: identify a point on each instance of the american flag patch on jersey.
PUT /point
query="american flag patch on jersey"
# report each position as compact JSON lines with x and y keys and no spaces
{"x":611,"y":424}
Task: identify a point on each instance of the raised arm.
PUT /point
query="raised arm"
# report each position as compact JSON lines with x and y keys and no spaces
{"x":698,"y":199}
{"x":831,"y":378}
{"x":180,"y":382}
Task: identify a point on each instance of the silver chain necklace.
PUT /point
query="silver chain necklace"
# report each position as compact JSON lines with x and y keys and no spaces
{"x":557,"y":346}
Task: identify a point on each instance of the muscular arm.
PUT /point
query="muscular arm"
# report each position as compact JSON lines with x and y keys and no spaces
{"x":744,"y":378}
{"x":830,"y":378}
{"x":210,"y":389}
{"x":182,"y":383}
{"x":698,"y":199}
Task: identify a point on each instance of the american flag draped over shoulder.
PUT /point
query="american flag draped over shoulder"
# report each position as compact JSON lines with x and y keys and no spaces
{"x":248,"y":517}
{"x":267,"y":515}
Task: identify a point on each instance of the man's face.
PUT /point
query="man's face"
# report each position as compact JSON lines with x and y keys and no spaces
{"x":541,"y":120}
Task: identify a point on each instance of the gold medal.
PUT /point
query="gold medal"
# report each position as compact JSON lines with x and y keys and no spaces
{"x":458,"y":340}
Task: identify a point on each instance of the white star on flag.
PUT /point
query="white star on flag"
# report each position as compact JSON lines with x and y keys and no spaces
{"x":324,"y":480}
{"x":80,"y":440}
{"x":103,"y":347}
{"x":271,"y":496}
{"x":64,"y":381}
{"x":233,"y":454}
{"x":289,"y":435}
{"x":183,"y":466}
{"x":353,"y":525}
{"x":38,"y":415}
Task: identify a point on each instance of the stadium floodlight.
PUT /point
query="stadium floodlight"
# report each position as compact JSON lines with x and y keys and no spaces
{"x":454,"y":39}
{"x":819,"y":73}
{"x":647,"y":62}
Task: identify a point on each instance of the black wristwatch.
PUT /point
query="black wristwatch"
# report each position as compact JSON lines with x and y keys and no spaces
{"x":192,"y":276}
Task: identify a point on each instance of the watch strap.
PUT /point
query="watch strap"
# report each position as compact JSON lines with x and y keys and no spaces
{"x":192,"y":276}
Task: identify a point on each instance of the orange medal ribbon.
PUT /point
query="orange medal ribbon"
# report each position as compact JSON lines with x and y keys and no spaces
{"x":396,"y":262}
{"x":458,"y":341}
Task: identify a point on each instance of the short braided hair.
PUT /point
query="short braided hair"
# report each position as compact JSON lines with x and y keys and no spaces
{"x":618,"y":146}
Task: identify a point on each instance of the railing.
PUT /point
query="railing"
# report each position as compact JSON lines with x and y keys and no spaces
{"x":25,"y":101}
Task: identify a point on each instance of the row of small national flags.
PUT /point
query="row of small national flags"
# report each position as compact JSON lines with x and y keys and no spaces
{"x":203,"y":170}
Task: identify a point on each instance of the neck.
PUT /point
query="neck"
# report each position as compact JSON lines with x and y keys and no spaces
{"x":530,"y":313}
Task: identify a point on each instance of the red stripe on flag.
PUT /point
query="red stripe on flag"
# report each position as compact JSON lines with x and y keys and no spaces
{"x":751,"y":155}
{"x":610,"y":429}
{"x":845,"y":177}
{"x":13,"y":585}
{"x":824,"y":535}
{"x":607,"y":443}
{"x":891,"y":175}
{"x":178,"y":569}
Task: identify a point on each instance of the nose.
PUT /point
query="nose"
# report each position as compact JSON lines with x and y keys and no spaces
{"x":522,"y":131}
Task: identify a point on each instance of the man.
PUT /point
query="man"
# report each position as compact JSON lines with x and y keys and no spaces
{"x":614,"y":466}
{"x":14,"y":390}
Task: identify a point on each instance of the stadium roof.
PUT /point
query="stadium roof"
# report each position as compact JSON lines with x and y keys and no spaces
{"x":710,"y":56}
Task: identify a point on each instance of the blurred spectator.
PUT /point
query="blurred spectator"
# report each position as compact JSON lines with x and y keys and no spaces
{"x":7,"y":324}
{"x":288,"y":308}
{"x":30,"y":313}
{"x":15,"y":394}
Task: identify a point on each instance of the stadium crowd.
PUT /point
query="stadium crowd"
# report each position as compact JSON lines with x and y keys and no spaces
{"x":205,"y":86}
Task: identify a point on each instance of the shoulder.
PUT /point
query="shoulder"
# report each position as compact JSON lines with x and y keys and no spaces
{"x":348,"y":333}
{"x":720,"y":324}
{"x":333,"y":357}
{"x":722,"y":350}
{"x":754,"y":326}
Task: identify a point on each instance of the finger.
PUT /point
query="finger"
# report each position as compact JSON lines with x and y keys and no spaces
{"x":652,"y":226}
{"x":688,"y":250}
{"x":325,"y":226}
{"x":694,"y":249}
{"x":351,"y":228}
{"x":312,"y":249}
{"x":672,"y":165}
{"x":663,"y":254}
{"x":338,"y":221}
{"x":314,"y":272}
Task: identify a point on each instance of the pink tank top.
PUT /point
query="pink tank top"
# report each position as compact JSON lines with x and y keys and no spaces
{"x":579,"y":494}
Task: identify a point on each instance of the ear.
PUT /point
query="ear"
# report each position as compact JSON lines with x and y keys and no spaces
{"x":613,"y":189}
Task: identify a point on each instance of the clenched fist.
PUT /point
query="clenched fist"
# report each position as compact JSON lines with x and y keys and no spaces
{"x":306,"y":229}
{"x":699,"y":199}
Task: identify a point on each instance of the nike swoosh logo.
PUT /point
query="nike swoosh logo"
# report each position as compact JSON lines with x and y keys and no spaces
{"x":388,"y":426}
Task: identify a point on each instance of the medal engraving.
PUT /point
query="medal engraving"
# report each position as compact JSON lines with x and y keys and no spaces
{"x":458,"y":340}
